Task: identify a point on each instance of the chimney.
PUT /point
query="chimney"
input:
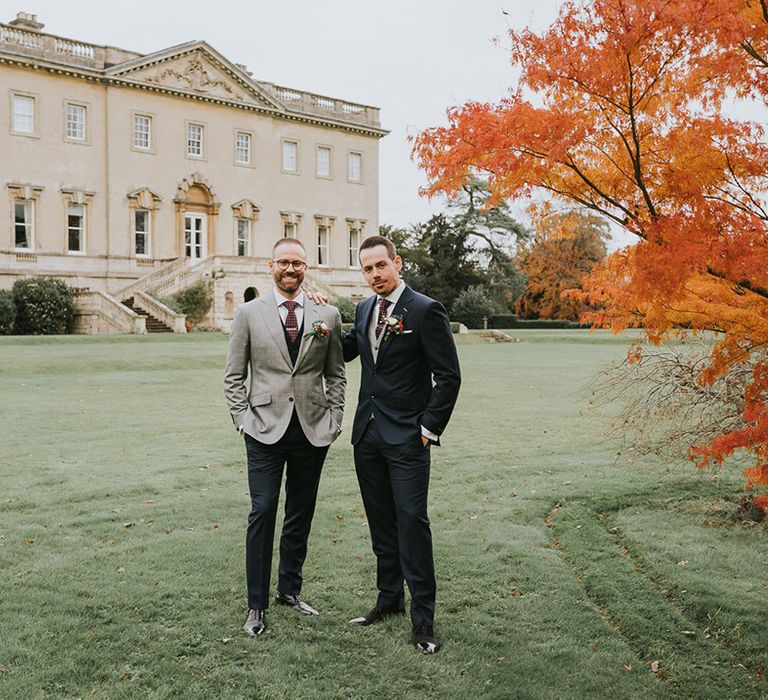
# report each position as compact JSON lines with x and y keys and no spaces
{"x":26,"y":21}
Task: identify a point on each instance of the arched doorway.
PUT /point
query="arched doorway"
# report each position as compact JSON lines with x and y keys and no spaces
{"x":196,"y":212}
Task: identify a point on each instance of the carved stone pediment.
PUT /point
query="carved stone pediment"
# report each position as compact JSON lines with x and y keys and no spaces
{"x":196,"y":72}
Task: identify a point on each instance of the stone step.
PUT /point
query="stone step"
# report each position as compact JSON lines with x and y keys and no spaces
{"x":153,"y":325}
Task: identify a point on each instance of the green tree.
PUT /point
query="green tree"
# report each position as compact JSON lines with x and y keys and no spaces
{"x":7,"y":312}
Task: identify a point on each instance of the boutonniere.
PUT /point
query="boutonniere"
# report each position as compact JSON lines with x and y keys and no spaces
{"x":393,"y":326}
{"x":319,"y":330}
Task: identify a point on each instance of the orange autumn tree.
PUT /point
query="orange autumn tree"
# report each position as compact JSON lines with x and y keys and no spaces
{"x":620,"y":109}
{"x":565,"y":248}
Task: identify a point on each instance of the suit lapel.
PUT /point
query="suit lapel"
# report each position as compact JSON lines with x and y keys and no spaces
{"x":268,"y":307}
{"x":310,"y":316}
{"x":401,"y":309}
{"x":366,"y":316}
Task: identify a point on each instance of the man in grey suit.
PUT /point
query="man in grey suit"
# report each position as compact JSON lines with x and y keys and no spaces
{"x":291,"y":347}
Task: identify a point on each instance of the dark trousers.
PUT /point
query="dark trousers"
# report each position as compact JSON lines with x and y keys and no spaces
{"x":265,"y":474}
{"x":394,"y":483}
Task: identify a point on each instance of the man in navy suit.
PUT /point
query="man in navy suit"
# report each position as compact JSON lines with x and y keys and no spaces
{"x":409,"y":385}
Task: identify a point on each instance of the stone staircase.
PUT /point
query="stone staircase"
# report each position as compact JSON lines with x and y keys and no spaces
{"x":153,"y":324}
{"x":491,"y":336}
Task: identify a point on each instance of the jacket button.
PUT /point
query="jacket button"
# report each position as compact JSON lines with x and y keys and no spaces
{"x":290,"y":398}
{"x":372,"y":397}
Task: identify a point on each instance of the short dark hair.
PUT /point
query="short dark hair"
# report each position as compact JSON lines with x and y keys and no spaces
{"x":288,"y":239}
{"x":250,"y":293}
{"x":373,"y":241}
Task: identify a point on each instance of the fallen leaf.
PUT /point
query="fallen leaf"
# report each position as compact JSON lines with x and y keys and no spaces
{"x":684,"y":562}
{"x":359,"y":558}
{"x":361,"y":515}
{"x":627,"y":667}
{"x":689,"y":633}
{"x":516,"y":593}
{"x":29,"y":541}
{"x":227,"y":640}
{"x":216,"y":526}
{"x":126,"y":676}
{"x":110,"y":541}
{"x":149,"y":501}
{"x":655,"y":666}
{"x":120,"y":569}
{"x":614,"y":530}
{"x":339,"y":517}
{"x":473,"y":517}
{"x":128,"y":524}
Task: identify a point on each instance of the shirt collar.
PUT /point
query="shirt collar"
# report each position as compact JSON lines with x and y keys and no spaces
{"x":393,"y":297}
{"x":279,"y":298}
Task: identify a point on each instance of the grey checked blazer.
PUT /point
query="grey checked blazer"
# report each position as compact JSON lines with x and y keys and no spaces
{"x":314,"y":386}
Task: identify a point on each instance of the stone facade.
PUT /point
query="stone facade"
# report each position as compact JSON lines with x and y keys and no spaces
{"x":115,"y":164}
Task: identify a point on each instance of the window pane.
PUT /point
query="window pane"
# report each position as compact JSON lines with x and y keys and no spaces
{"x":243,"y":236}
{"x":323,"y":162}
{"x":142,"y":129}
{"x":289,"y":230}
{"x":354,"y":244}
{"x":22,"y":215}
{"x":76,"y":122}
{"x":354,"y":166}
{"x":194,"y":140}
{"x":322,"y":245}
{"x":75,"y":221}
{"x":23,"y":114}
{"x":243,"y":148}
{"x":289,"y":156}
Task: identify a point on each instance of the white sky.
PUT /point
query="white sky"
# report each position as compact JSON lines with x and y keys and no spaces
{"x":411,"y":58}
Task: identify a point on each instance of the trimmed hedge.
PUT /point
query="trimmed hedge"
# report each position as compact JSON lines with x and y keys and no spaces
{"x":43,"y":306}
{"x":7,"y":312}
{"x":552,"y":323}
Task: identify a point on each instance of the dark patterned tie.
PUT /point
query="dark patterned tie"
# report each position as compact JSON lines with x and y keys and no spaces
{"x":382,"y":319}
{"x":291,"y":322}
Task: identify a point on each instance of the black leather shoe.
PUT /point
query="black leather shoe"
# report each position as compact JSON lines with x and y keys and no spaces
{"x":255,"y":623}
{"x":375,"y":615}
{"x":424,"y":639}
{"x":293,"y":601}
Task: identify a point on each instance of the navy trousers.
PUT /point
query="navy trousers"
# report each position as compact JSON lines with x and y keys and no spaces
{"x":303,"y":463}
{"x":394,"y":483}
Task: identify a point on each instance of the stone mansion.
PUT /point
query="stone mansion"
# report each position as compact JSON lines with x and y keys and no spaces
{"x":126,"y":174}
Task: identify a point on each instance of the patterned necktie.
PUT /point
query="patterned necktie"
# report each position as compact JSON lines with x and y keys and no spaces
{"x":291,"y":322}
{"x":382,"y":319}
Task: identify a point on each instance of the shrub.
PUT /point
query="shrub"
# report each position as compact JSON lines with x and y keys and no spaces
{"x":43,"y":306}
{"x":195,"y":302}
{"x":346,"y":307}
{"x":471,"y":306}
{"x":171,"y":302}
{"x":7,"y":312}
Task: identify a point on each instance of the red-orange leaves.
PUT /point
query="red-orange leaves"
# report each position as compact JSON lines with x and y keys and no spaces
{"x":619,"y":109}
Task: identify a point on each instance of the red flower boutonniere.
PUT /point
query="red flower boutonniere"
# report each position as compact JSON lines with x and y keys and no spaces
{"x":393,"y":326}
{"x":319,"y":330}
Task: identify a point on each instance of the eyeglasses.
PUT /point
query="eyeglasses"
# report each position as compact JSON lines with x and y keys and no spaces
{"x":297,"y":265}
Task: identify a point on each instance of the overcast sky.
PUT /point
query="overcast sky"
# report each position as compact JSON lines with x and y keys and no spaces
{"x":412,"y":58}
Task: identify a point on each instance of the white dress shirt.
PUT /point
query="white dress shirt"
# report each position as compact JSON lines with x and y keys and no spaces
{"x":283,"y":311}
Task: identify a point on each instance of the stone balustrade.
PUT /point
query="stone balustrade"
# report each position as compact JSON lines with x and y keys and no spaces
{"x":51,"y":47}
{"x":308,"y":102}
{"x":97,"y":313}
{"x":160,"y":311}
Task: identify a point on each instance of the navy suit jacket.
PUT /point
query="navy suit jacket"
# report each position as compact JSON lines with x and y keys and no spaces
{"x":415,"y":379}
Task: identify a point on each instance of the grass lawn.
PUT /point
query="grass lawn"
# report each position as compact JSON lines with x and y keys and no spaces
{"x":563,"y":572}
